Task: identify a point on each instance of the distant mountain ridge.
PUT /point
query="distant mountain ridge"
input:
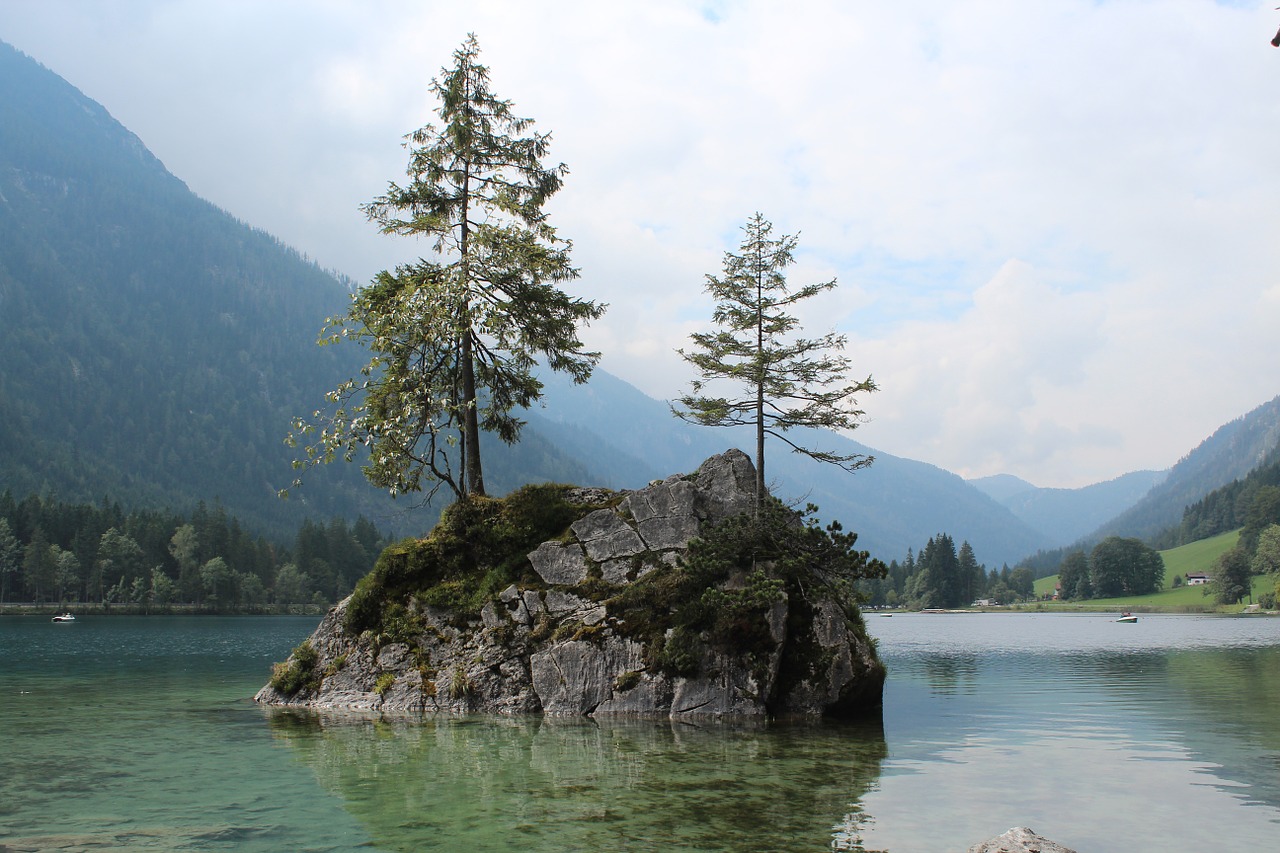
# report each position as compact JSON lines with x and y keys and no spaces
{"x":894,"y":505}
{"x":1066,"y":515}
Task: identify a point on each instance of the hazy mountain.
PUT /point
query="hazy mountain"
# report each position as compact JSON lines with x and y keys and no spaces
{"x":1001,"y":487}
{"x":1229,"y":454}
{"x":1065,"y":515}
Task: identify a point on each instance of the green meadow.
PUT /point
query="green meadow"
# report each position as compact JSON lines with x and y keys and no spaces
{"x":1192,"y":557}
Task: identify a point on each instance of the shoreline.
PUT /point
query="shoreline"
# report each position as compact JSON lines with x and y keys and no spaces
{"x":29,"y":609}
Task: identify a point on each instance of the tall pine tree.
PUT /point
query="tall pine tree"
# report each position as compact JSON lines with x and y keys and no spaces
{"x":455,"y":338}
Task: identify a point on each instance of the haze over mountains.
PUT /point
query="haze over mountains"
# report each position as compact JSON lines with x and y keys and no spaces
{"x":156,"y":349}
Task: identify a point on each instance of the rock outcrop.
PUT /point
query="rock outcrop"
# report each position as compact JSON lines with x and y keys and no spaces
{"x":596,"y":623}
{"x":1020,"y":839}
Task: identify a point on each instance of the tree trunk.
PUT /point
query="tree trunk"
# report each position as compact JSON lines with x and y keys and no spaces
{"x":471,"y":422}
{"x":473,"y":476}
{"x":759,"y":390}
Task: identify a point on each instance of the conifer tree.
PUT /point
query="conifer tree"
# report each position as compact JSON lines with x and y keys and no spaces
{"x":455,"y":338}
{"x":785,"y":381}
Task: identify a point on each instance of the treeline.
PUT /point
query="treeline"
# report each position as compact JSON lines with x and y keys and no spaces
{"x":54,"y":552}
{"x":1250,"y":503}
{"x":1115,"y":567}
{"x":942,"y":577}
{"x":1122,"y":566}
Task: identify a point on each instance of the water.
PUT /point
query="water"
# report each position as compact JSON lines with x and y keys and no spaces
{"x":137,"y":733}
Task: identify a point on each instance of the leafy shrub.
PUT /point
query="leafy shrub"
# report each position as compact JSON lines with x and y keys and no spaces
{"x":384,"y":682}
{"x":627,"y":680}
{"x":299,"y":672}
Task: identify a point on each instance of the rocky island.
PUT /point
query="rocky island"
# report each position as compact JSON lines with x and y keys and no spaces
{"x":671,"y":600}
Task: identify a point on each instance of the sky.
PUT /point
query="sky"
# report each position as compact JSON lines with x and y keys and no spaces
{"x":1053,"y":224}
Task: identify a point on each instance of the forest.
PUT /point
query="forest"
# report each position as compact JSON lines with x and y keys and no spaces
{"x":160,"y":561}
{"x":941,"y":577}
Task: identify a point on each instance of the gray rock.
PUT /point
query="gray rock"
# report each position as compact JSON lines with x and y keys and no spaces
{"x":1020,"y":839}
{"x":489,"y":616}
{"x":577,"y":676}
{"x":665,"y":514}
{"x":616,"y":571}
{"x":515,"y":659}
{"x":727,"y":485}
{"x":606,"y":536}
{"x":533,"y":604}
{"x":393,"y":657}
{"x":513,"y":602}
{"x":560,"y":564}
{"x":562,"y":604}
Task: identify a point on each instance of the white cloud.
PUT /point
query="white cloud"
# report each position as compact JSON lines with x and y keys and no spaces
{"x":1052,"y":222}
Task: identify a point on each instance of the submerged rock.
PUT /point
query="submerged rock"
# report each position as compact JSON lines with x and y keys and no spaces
{"x":605,"y":617}
{"x":1020,"y":839}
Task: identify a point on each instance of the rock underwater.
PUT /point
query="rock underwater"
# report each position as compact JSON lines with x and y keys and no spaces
{"x":599,"y":606}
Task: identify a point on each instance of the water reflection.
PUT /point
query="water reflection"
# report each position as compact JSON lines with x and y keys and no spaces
{"x":1156,"y":736}
{"x":1072,"y":727}
{"x":552,"y":783}
{"x":953,"y":672}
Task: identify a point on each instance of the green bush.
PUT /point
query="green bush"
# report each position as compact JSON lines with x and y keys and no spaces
{"x":677,"y":610}
{"x":298,"y":673}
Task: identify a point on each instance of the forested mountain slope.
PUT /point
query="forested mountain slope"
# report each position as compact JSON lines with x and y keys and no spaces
{"x":155,"y":347}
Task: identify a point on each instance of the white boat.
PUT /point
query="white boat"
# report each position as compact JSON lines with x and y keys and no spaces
{"x":1127,"y":617}
{"x":65,"y":617}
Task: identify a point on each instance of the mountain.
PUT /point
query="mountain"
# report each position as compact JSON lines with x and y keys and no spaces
{"x":155,"y":347}
{"x":1001,"y":487}
{"x":1066,"y":515}
{"x":1234,"y":450}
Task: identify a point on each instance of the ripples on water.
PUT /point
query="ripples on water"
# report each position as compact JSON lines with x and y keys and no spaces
{"x":138,"y":734}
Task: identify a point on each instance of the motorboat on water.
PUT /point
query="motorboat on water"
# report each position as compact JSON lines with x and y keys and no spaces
{"x":1127,"y":617}
{"x":65,"y":617}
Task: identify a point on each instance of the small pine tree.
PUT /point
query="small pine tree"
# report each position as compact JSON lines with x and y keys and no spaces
{"x":786,"y":381}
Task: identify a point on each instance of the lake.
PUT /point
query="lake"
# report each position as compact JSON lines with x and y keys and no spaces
{"x":138,"y":733}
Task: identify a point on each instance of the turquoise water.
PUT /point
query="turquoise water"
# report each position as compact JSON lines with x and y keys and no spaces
{"x":137,"y":733}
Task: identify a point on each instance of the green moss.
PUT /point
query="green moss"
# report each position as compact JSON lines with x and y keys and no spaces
{"x":338,"y":663}
{"x":542,"y":629}
{"x":677,"y":654}
{"x":627,"y":681}
{"x":480,"y":546}
{"x":460,"y":684}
